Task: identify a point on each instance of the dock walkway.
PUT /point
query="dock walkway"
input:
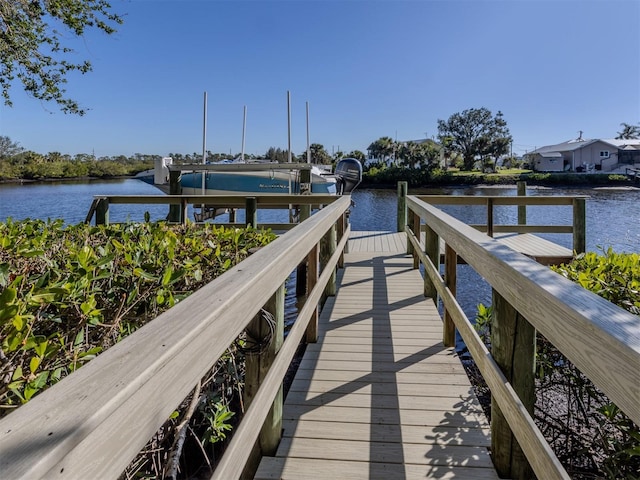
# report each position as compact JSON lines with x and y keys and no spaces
{"x":379,"y":396}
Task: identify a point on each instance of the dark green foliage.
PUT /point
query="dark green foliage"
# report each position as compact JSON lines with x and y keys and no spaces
{"x":34,"y":44}
{"x":613,"y":276}
{"x":628,"y":131}
{"x":33,"y":166}
{"x":279,"y":155}
{"x":389,"y":176}
{"x":66,"y":294}
{"x":590,"y":435}
{"x":476,"y":134}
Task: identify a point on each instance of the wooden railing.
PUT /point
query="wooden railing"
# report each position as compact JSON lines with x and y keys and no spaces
{"x":577,"y":229}
{"x":95,"y":421}
{"x":601,"y":339}
{"x":179,"y":204}
{"x":578,"y":203}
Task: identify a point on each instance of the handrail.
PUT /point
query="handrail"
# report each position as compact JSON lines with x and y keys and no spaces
{"x":100,"y":205}
{"x":577,"y":228}
{"x":601,"y":339}
{"x":93,"y":422}
{"x":239,"y":449}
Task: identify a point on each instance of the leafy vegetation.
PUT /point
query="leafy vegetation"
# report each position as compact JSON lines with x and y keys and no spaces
{"x":613,"y":276}
{"x":69,"y":293}
{"x":628,"y":131}
{"x":18,"y":164}
{"x":592,"y":437}
{"x":475,"y":134}
{"x":34,"y":39}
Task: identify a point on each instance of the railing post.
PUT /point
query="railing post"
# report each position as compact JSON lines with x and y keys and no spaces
{"x":305,"y":186}
{"x":402,"y":205}
{"x":175,"y":188}
{"x":522,"y":209}
{"x":513,"y":346}
{"x":579,"y":225}
{"x":184,"y":206}
{"x":490,"y":217}
{"x":409,"y":228}
{"x":102,"y":211}
{"x":415,"y":226}
{"x":301,"y":271}
{"x":313,"y":261}
{"x":265,"y":333}
{"x":450,"y":279}
{"x":432,"y":249}
{"x":251,"y":217}
{"x":342,"y":227}
{"x":328,"y":246}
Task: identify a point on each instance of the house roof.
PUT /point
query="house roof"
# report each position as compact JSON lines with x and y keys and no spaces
{"x":572,"y":145}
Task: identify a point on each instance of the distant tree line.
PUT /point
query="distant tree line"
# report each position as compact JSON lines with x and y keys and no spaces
{"x":474,"y":139}
{"x":470,"y":140}
{"x":17,"y":163}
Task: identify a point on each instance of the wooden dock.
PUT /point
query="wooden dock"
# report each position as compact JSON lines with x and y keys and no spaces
{"x":379,"y":396}
{"x":533,"y":246}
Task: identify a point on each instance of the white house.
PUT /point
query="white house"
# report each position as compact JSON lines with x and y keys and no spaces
{"x":585,"y":155}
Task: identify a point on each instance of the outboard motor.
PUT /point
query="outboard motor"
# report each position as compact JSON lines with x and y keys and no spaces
{"x":348,"y":175}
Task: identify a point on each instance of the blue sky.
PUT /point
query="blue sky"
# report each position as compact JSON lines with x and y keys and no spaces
{"x":367,"y":68}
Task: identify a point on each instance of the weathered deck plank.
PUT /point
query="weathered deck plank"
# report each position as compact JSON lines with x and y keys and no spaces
{"x":379,"y":396}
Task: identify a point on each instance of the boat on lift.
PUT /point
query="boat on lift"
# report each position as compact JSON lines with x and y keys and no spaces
{"x":244,"y":178}
{"x":255,"y":177}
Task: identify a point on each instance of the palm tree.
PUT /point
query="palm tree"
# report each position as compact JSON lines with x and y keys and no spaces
{"x":628,"y":132}
{"x":383,"y":148}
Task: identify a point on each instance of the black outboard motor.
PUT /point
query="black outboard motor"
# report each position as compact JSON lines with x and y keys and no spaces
{"x":348,"y":175}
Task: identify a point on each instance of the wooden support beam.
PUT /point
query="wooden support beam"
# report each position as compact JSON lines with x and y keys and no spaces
{"x":184,"y":208}
{"x":313,"y":262}
{"x":490,"y":217}
{"x":513,"y":345}
{"x":342,"y":226}
{"x":102,"y":211}
{"x":402,"y":205}
{"x":328,"y":247}
{"x":266,"y":334}
{"x":522,"y":209}
{"x":579,"y":225}
{"x":305,"y":212}
{"x":450,"y":278}
{"x":251,"y":206}
{"x":415,"y":226}
{"x":175,"y":188}
{"x":432,"y":249}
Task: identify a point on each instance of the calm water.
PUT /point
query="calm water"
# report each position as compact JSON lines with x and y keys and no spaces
{"x":613,"y":216}
{"x":613,"y":220}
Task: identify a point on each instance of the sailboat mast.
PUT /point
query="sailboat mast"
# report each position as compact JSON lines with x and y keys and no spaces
{"x":289,"y":126}
{"x":308,"y":146}
{"x":244,"y":126}
{"x":204,"y":139}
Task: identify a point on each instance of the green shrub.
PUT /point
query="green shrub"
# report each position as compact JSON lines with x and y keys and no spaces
{"x":613,"y":276}
{"x":68,"y":293}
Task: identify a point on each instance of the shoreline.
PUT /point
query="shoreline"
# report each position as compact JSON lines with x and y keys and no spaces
{"x":576,"y":180}
{"x":87,"y":179}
